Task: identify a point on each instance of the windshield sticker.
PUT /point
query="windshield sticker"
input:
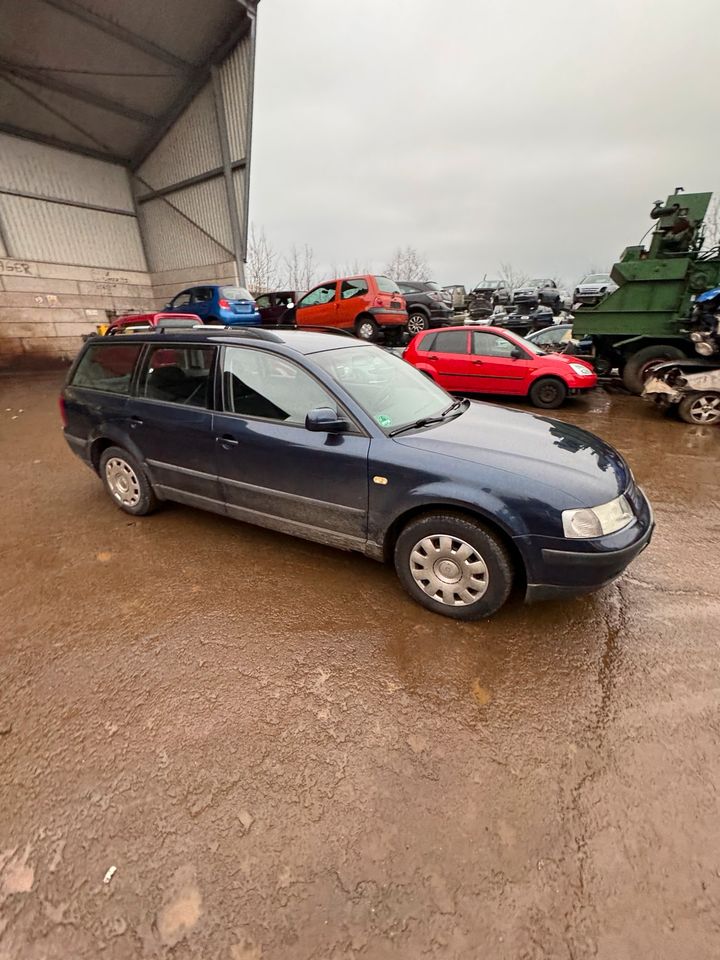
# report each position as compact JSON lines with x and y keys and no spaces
{"x":383,"y":420}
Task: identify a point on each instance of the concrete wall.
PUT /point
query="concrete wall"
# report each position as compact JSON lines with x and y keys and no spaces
{"x":46,"y":307}
{"x":167,"y":283}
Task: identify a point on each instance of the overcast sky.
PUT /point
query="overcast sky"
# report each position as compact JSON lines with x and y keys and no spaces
{"x":480,"y":131}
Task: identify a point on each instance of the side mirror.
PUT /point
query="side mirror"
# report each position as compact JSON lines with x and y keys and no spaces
{"x":168,"y":306}
{"x":516,"y":353}
{"x":325,"y":420}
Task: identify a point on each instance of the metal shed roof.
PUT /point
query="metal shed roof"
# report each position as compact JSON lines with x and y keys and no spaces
{"x":105,"y":78}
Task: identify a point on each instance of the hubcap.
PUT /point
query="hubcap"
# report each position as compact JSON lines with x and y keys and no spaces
{"x":122,"y":482}
{"x":366,"y":331}
{"x":706,"y":409}
{"x":416,"y":324}
{"x":449,"y":570}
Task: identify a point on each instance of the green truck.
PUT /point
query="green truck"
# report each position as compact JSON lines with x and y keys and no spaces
{"x":649,"y":317}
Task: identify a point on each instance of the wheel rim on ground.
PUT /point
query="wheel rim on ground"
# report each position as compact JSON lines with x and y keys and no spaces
{"x":705,"y":409}
{"x":122,"y":482}
{"x":449,"y":570}
{"x":547,"y":392}
{"x":417,"y":322}
{"x":366,"y":330}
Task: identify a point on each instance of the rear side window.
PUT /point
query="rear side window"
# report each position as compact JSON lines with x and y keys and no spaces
{"x":353,"y":288}
{"x":386,"y":285}
{"x":107,"y":367}
{"x":451,"y":341}
{"x":202,"y":295}
{"x":178,"y":375}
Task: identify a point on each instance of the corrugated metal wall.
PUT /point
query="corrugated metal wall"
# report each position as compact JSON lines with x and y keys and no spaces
{"x":192,"y":225}
{"x":46,"y":229}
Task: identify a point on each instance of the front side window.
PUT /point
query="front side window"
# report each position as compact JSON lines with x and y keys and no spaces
{"x":107,"y":367}
{"x":263,"y":302}
{"x":178,"y":374}
{"x":491,"y":345}
{"x":182,"y":299}
{"x":325,"y":293}
{"x":353,"y":288}
{"x":451,"y":341}
{"x":257,"y":383}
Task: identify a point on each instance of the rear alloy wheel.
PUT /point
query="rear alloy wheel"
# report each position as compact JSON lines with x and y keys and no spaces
{"x":453,"y":565}
{"x":417,"y":322}
{"x":548,"y":393}
{"x":126,"y":482}
{"x":700,"y":408}
{"x":366,"y":329}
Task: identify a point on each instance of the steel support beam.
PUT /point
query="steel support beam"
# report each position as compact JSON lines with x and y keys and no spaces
{"x":248,"y":133}
{"x":189,"y":182}
{"x":25,"y":195}
{"x":119,"y":33}
{"x":61,"y":144}
{"x":40,"y":79}
{"x":235,"y":229}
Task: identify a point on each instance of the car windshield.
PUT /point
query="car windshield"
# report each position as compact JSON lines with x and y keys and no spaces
{"x":235,"y":293}
{"x":532,"y":347}
{"x":389,"y":390}
{"x":540,"y":283}
{"x":488,"y":285}
{"x":431,"y":285}
{"x":597,"y":278}
{"x":386,"y":285}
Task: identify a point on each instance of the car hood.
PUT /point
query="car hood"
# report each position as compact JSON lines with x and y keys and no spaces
{"x":542,"y":450}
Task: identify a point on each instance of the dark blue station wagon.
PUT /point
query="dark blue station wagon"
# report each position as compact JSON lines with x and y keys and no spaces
{"x":338,"y":441}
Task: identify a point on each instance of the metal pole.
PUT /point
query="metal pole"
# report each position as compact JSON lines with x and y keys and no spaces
{"x":235,"y":231}
{"x":248,"y":133}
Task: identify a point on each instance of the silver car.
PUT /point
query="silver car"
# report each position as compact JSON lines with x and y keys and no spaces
{"x":594,"y":288}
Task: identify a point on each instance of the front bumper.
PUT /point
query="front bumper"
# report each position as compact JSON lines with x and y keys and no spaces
{"x":559,"y":567}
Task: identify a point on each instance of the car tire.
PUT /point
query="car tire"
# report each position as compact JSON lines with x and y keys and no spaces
{"x":700,"y":408}
{"x":417,"y":322}
{"x":366,"y":329}
{"x":638,"y":365}
{"x":548,"y":393}
{"x":472,"y":575}
{"x":126,"y":482}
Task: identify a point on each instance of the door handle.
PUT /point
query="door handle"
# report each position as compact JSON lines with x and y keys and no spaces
{"x":135,"y":422}
{"x":432,"y":356}
{"x":477,"y":361}
{"x":227,"y":440}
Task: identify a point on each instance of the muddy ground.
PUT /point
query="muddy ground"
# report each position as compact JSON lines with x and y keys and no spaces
{"x":286,"y":758}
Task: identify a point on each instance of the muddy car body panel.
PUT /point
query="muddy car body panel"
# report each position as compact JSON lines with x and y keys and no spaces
{"x":221,"y":445}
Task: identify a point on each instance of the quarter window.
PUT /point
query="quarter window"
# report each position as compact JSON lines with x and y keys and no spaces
{"x":260,"y":384}
{"x":325,"y":293}
{"x":108,"y":367}
{"x":178,"y":375}
{"x":353,"y":288}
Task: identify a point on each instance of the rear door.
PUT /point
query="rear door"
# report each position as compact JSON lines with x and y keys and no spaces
{"x":170,"y":422}
{"x":353,"y":297}
{"x":447,"y":353}
{"x":273,"y":471}
{"x":493,"y":367}
{"x":318,"y":307}
{"x":202,"y":303}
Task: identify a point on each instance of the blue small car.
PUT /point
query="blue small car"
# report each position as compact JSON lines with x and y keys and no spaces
{"x":332,"y":439}
{"x":230,"y":306}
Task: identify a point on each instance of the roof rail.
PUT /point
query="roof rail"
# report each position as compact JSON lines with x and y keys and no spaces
{"x":312,"y":328}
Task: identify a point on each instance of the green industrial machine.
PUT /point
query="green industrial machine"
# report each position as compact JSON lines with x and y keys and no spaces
{"x":648,"y":318}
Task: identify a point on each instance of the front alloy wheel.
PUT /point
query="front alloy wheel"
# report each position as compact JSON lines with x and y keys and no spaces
{"x":701,"y":408}
{"x":417,"y":322}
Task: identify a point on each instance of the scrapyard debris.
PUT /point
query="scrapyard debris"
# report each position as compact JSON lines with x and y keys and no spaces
{"x":110,"y":874}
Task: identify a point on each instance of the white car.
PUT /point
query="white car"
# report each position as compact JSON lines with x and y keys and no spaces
{"x":594,"y":288}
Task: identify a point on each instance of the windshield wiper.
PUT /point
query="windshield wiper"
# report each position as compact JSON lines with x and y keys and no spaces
{"x":426,"y":421}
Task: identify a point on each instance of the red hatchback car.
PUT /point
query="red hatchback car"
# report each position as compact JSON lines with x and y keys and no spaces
{"x":366,"y":305}
{"x":493,"y":360}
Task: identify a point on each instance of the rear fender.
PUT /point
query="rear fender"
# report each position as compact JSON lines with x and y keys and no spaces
{"x":118,"y":438}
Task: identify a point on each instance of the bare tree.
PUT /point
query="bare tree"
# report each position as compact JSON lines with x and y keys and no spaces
{"x":301,"y":268}
{"x":407,"y":264}
{"x":262,"y":264}
{"x":513,"y":277}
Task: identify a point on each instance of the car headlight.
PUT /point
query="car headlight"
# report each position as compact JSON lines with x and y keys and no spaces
{"x":597,"y":521}
{"x":581,"y":370}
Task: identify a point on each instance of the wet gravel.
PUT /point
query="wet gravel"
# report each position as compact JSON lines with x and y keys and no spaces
{"x":284,"y":757}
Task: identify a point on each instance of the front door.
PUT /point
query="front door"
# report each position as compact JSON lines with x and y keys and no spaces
{"x":180,"y":303}
{"x":319,"y":307}
{"x":274,"y":471}
{"x":170,"y":421}
{"x":494,"y":367}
